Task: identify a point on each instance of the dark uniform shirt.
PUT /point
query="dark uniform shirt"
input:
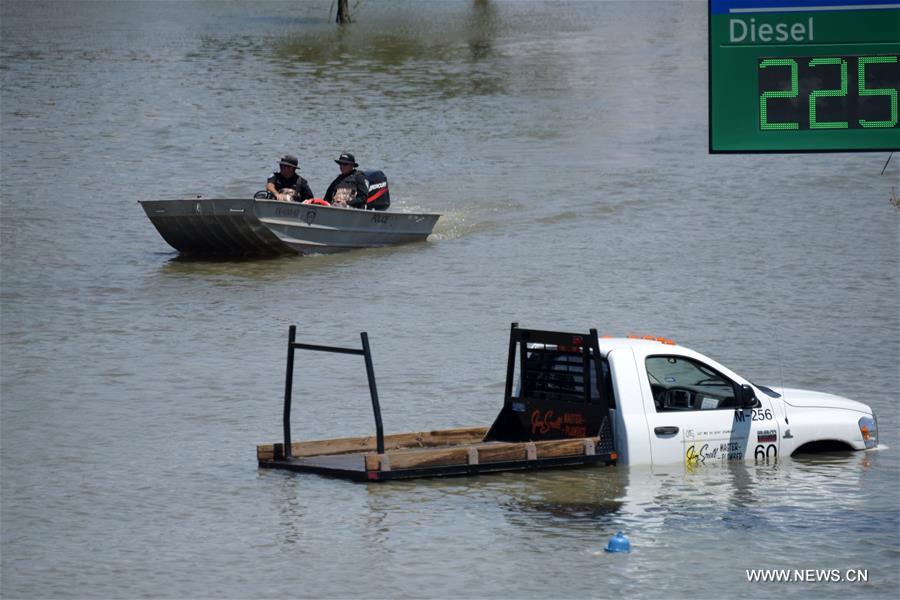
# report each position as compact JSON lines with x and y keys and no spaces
{"x":356,"y":182}
{"x":295,"y":183}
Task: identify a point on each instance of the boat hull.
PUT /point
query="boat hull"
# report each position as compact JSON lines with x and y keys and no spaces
{"x":249,"y":227}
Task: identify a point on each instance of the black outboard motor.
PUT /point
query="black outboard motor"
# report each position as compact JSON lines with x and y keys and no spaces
{"x":379,"y":196}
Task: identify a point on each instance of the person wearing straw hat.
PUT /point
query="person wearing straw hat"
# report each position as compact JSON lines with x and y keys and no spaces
{"x":350,"y":188}
{"x":286,"y":184}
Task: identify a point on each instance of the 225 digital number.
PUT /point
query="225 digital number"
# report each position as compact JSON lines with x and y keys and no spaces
{"x":813,"y":71}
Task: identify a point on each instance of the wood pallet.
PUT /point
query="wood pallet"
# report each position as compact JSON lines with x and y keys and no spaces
{"x":429,"y":454}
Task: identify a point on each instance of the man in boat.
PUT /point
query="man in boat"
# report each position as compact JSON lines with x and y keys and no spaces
{"x":286,"y":184}
{"x":350,"y":188}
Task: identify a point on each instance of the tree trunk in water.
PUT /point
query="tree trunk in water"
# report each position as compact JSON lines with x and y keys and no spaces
{"x":343,"y":12}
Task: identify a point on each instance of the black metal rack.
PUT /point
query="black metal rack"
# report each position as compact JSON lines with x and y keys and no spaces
{"x":365,"y":352}
{"x":591,"y":409}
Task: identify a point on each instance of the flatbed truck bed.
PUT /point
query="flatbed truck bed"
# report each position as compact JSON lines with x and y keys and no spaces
{"x":430,"y":454}
{"x":560,"y":424}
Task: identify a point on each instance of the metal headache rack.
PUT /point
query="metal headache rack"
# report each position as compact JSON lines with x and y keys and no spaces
{"x":558,"y":417}
{"x":564,"y":388}
{"x":365,"y":352}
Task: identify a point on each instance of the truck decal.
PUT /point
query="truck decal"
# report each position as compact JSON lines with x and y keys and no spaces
{"x":756,"y":414}
{"x":766,"y":436}
{"x":706,"y":436}
{"x":732,"y":450}
{"x":765,"y":452}
{"x":721,"y":447}
{"x":572,"y":424}
{"x":693,"y":457}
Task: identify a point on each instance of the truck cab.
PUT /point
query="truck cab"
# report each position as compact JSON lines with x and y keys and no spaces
{"x":667,"y":404}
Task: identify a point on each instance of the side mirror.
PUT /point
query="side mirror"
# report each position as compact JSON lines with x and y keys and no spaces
{"x":746,"y":396}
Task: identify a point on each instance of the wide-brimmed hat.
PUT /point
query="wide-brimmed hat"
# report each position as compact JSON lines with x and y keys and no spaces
{"x":289,"y":160}
{"x":346,"y":159}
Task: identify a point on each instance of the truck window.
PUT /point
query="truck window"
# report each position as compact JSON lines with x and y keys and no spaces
{"x":551,"y":373}
{"x":680,"y":383}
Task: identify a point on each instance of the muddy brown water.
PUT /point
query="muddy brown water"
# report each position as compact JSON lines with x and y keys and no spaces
{"x":566,"y":146}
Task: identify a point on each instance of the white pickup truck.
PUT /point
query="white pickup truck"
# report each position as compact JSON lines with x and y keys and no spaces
{"x":666,"y":403}
{"x":576,"y":399}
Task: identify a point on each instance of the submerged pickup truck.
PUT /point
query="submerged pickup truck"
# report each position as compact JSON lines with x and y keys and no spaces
{"x":668,"y":404}
{"x":576,"y":399}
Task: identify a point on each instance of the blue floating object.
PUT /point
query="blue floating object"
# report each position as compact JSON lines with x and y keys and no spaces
{"x":618,"y":543}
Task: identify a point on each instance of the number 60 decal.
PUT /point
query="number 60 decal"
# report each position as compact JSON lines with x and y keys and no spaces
{"x":765,"y":452}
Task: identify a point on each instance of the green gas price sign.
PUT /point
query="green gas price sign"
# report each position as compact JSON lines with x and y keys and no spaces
{"x":804,"y":75}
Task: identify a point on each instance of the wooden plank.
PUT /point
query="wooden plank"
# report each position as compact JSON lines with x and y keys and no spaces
{"x":265,"y":452}
{"x":501,"y":452}
{"x":396,"y":441}
{"x":429,"y":457}
{"x":377,"y":462}
{"x":349,"y":445}
{"x":373,"y":462}
{"x":556,"y":448}
{"x":336,"y":462}
{"x":453,"y":437}
{"x":484,"y":453}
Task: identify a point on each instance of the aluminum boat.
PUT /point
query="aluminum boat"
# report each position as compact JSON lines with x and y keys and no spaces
{"x":249,"y":226}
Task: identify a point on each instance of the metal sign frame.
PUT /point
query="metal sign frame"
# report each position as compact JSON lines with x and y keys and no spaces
{"x":825,"y":39}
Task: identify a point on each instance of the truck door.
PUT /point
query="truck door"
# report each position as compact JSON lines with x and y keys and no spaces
{"x":693,"y":416}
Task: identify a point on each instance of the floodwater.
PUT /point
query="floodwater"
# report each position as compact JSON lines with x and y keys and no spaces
{"x":565,"y":144}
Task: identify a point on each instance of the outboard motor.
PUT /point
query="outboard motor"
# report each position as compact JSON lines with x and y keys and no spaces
{"x":379,"y":196}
